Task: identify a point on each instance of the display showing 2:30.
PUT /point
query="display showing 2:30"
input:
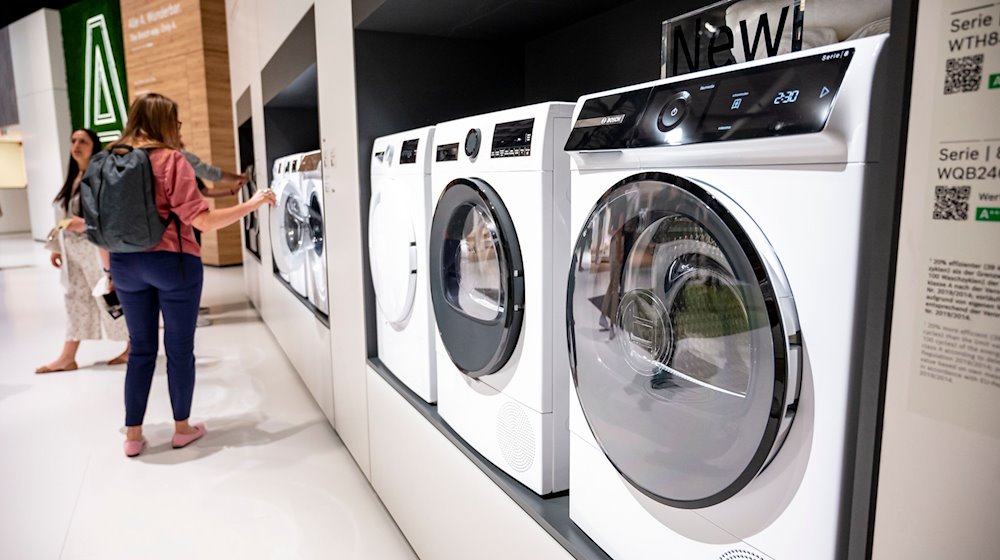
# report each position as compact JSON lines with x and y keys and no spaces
{"x":790,"y":96}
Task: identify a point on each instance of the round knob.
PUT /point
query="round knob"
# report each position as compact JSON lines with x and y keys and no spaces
{"x":472,"y":141}
{"x":674,"y":111}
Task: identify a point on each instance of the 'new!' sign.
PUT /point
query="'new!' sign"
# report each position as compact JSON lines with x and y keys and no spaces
{"x":694,"y":43}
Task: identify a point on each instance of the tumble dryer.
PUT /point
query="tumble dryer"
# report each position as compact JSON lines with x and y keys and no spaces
{"x":289,"y":220}
{"x":398,"y":218}
{"x":311,"y":170}
{"x":713,"y":301}
{"x":499,"y":251}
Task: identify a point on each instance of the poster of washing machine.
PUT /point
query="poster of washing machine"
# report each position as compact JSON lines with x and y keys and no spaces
{"x":734,"y":31}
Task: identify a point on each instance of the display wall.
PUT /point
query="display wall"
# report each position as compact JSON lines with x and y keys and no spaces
{"x":401,"y":65}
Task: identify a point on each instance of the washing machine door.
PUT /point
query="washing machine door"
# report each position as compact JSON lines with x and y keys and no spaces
{"x":251,"y":222}
{"x":392,"y":247}
{"x":316,"y":236}
{"x":681,"y":334}
{"x":476,"y":277}
{"x":290,"y":228}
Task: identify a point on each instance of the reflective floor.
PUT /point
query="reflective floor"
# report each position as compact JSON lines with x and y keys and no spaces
{"x":271,"y":479}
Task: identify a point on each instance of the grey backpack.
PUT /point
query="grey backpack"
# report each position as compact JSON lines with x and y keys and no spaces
{"x":118,"y":200}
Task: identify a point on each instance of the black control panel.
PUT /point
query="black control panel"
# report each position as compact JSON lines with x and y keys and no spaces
{"x":447,"y":152}
{"x":780,"y":99}
{"x":512,"y":139}
{"x":409,"y":152}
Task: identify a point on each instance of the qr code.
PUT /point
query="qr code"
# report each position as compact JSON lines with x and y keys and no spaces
{"x":963,"y":74}
{"x":951,"y":203}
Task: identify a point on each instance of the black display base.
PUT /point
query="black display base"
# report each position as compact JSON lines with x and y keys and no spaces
{"x":550,"y":512}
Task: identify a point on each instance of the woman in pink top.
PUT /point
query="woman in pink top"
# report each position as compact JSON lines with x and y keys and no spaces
{"x":168,"y":278}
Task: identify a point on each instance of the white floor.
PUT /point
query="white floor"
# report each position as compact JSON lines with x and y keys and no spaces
{"x":271,"y":479}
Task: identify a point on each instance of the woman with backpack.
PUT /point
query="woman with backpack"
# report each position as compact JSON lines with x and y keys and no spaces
{"x":80,"y":263}
{"x":166,"y":279}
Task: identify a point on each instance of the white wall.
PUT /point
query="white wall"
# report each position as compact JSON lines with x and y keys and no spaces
{"x":43,"y":104}
{"x":339,"y":139}
{"x":14,"y":203}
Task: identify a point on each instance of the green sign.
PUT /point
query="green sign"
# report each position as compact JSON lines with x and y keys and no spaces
{"x":994,"y":81}
{"x":95,"y":67}
{"x":987,"y":214}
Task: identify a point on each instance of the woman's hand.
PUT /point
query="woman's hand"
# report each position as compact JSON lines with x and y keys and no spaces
{"x":56,"y":260}
{"x":77,"y":225}
{"x":262,"y":197}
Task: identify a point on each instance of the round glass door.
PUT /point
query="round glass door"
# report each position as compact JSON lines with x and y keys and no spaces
{"x":477,"y":279}
{"x":392,"y":248}
{"x":290,"y":228}
{"x":678,"y":352}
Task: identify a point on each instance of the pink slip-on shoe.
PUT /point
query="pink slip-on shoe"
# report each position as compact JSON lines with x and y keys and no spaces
{"x":181,"y":440}
{"x":133,"y":447}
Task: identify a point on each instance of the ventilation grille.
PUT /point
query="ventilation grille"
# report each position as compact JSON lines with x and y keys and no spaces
{"x":516,"y":439}
{"x":740,"y":554}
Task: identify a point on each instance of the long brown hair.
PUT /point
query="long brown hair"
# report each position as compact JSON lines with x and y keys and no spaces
{"x":152,"y":123}
{"x":73,"y":169}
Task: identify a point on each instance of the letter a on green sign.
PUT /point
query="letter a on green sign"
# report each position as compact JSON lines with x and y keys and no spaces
{"x":103,"y":103}
{"x":994,"y":81}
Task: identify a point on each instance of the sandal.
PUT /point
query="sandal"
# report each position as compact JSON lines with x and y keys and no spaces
{"x":46,"y":369}
{"x":119,"y":360}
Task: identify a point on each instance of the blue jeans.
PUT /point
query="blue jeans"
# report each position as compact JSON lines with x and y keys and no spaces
{"x":148,"y":284}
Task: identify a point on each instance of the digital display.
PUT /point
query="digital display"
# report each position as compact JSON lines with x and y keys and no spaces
{"x":447,"y":152}
{"x":512,"y":139}
{"x":409,"y":152}
{"x":790,"y":97}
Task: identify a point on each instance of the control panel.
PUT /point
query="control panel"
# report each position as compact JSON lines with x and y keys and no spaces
{"x":447,"y":152}
{"x":784,"y":98}
{"x":512,"y":139}
{"x":408,"y":154}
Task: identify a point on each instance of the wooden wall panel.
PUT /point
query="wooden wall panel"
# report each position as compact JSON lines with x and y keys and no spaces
{"x":179,"y":48}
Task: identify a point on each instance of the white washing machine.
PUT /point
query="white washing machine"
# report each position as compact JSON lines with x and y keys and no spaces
{"x":398,"y":221}
{"x":714,"y":293}
{"x":290,"y":240}
{"x":311,"y":170}
{"x":498,"y":258}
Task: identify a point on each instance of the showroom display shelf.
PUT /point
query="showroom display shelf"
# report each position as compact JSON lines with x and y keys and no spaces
{"x":551,"y":513}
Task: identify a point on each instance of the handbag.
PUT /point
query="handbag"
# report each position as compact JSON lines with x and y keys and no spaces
{"x":53,"y":243}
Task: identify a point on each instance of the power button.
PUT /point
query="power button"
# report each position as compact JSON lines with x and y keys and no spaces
{"x":674,"y":111}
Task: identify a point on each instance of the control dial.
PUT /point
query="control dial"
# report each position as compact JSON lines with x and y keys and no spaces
{"x":674,"y":111}
{"x":472,"y":142}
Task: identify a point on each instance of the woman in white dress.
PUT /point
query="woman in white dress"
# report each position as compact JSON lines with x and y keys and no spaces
{"x":82,"y":264}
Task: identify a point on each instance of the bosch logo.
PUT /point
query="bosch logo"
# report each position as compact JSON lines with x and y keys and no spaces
{"x":614,"y":119}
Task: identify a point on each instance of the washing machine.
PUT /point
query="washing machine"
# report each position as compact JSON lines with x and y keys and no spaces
{"x":399,"y":215}
{"x":251,"y":222}
{"x":311,"y":176}
{"x":289,"y":218}
{"x":713,"y":296}
{"x":498,"y":257}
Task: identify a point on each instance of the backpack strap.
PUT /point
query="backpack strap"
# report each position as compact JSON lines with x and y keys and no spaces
{"x":180,"y":243}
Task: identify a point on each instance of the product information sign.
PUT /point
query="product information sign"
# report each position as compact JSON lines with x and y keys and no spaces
{"x":95,"y":67}
{"x":941,"y":441}
{"x":955,"y":172}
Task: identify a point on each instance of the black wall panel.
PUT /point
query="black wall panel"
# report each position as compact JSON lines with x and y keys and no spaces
{"x":617,"y":48}
{"x":409,"y":81}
